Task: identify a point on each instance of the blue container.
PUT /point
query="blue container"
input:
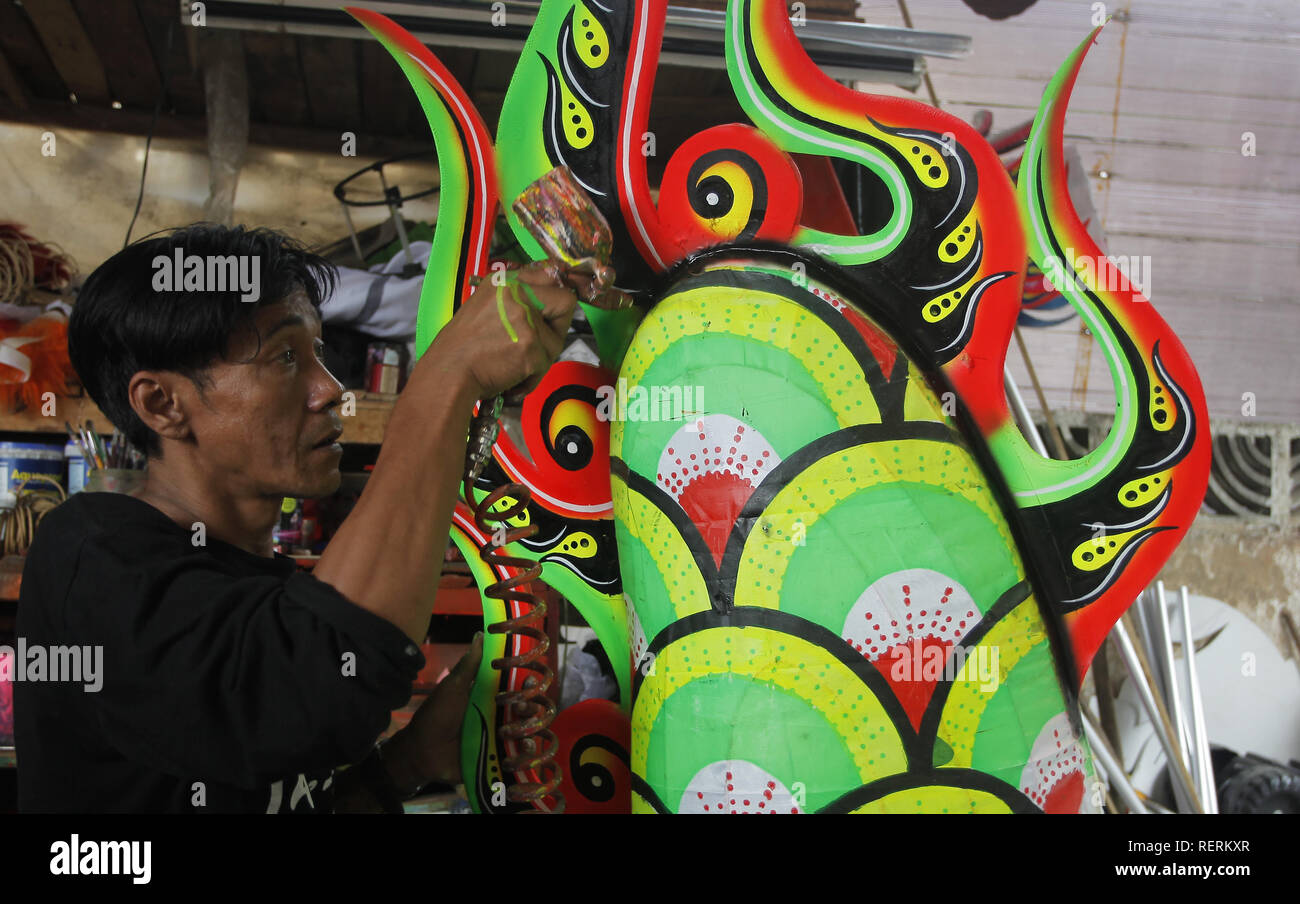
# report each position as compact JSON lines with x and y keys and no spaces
{"x":28,"y":459}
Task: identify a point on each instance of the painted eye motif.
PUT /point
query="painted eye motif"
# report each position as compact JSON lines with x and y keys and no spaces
{"x":724,"y":194}
{"x":729,"y":183}
{"x":569,"y":419}
{"x":565,"y":459}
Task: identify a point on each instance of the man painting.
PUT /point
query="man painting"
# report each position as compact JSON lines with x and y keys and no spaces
{"x":226,"y":683}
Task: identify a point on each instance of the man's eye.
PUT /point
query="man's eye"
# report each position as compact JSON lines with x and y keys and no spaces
{"x":319,"y":349}
{"x":288,"y":356}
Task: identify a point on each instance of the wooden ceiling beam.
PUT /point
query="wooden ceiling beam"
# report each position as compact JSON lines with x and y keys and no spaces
{"x":70,"y":49}
{"x":133,"y":75}
{"x":55,"y":115}
{"x":23,"y":49}
{"x":12,"y":84}
{"x":383,"y":91}
{"x":275,"y":75}
{"x":184,"y":81}
{"x":329,"y":69}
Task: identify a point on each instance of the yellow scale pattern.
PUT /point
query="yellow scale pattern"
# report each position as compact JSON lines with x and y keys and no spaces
{"x":1019,"y":632}
{"x":640,"y":805}
{"x":771,"y":544}
{"x":788,"y":662}
{"x":671,"y":557}
{"x":936,"y":799}
{"x":592,"y":46}
{"x":769,"y":319}
{"x":919,"y":403}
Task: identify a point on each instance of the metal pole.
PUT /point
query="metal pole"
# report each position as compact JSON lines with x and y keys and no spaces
{"x":1209,"y":793}
{"x":1114,"y":769}
{"x":1105,"y":783}
{"x":1021,"y":413}
{"x":1185,"y":740}
{"x":393,"y":207}
{"x":352,"y":234}
{"x":1053,"y":431}
{"x":1139,"y":672}
{"x":1101,"y":680}
{"x":1148,"y":633}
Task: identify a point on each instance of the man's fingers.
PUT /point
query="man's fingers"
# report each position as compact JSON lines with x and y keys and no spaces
{"x":556,"y":307}
{"x":552,"y":338}
{"x":553,"y":289}
{"x":556,"y":303}
{"x":466,"y":668}
{"x":539,"y":273}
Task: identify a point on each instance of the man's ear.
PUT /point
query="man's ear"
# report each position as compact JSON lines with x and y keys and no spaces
{"x":162,"y":400}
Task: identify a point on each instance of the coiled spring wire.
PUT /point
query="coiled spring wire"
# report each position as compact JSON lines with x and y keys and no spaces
{"x":528,"y":712}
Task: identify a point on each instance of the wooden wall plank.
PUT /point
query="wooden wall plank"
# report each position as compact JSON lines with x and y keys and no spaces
{"x":1203,"y":212}
{"x":1220,"y":228}
{"x":1229,"y":364}
{"x":1017,"y":99}
{"x":1210,"y":272}
{"x":1185,"y":119}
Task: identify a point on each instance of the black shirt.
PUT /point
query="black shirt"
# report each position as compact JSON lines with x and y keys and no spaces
{"x":228,"y":682}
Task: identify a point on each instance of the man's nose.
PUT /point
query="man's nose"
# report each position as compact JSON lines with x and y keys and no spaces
{"x":327,"y":391}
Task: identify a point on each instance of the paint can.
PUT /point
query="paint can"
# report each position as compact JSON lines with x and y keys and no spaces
{"x":27,"y":460}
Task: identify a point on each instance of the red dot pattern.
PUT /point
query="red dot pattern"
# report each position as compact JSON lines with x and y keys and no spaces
{"x":907,"y":605}
{"x":1056,"y":758}
{"x":737,"y":787}
{"x":714,"y":444}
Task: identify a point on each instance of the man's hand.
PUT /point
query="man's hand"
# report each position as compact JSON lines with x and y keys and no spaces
{"x":428,"y":749}
{"x":506,"y":336}
{"x":493,"y":344}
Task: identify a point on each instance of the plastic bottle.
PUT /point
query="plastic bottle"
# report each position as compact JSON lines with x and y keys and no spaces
{"x":390,"y":372}
{"x":76,"y":467}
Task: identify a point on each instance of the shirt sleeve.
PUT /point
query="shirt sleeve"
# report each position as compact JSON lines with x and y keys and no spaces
{"x":235,"y":678}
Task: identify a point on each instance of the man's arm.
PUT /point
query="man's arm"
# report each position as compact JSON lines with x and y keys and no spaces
{"x":387,"y":555}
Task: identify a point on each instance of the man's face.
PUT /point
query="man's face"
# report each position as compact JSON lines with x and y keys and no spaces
{"x":266,"y":424}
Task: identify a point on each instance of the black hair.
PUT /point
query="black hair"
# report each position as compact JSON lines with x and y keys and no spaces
{"x":122,"y":324}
